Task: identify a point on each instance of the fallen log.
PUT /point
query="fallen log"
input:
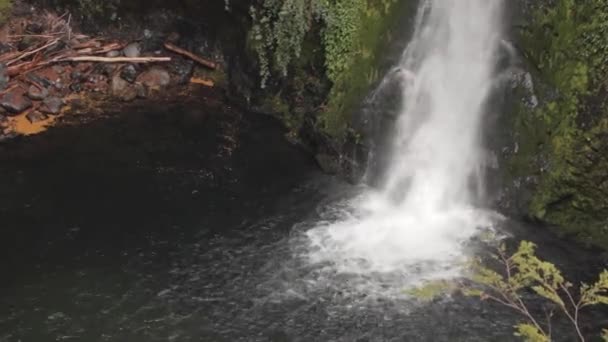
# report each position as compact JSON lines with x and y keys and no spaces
{"x":198,"y":59}
{"x":15,"y":70}
{"x":108,"y":48}
{"x":111,"y":59}
{"x":93,"y":43}
{"x":201,"y":81}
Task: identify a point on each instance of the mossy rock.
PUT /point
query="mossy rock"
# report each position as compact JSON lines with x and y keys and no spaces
{"x":567,"y":43}
{"x":339,"y":59}
{"x":379,"y":27}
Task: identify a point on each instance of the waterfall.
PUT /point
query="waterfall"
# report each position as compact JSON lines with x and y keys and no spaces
{"x":426,"y":209}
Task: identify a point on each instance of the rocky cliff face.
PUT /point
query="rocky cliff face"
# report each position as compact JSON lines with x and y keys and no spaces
{"x":556,"y":164}
{"x":551,"y":142}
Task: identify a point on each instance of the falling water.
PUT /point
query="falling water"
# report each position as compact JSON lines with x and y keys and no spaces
{"x":418,"y":222}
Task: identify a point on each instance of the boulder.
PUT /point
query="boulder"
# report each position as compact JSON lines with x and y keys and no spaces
{"x":36,"y":93}
{"x":183,"y":70}
{"x":129,"y":94}
{"x":129,"y":73}
{"x":118,"y":85}
{"x":15,"y":101}
{"x":329,"y":164}
{"x":132,"y":50}
{"x":112,"y":54}
{"x":52,"y":105}
{"x":155,"y":78}
{"x":142,"y":92}
{"x":36,"y":116}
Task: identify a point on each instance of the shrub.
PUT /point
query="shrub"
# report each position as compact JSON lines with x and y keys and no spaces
{"x":524,"y":272}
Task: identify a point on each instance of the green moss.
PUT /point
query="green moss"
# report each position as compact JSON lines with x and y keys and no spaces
{"x":432,"y":290}
{"x":361,"y":70}
{"x":568,"y":42}
{"x":95,"y":8}
{"x":280,"y":108}
{"x":5,"y":10}
{"x":349,"y":35}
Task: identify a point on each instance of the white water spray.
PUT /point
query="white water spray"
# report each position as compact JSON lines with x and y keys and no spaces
{"x":418,"y":221}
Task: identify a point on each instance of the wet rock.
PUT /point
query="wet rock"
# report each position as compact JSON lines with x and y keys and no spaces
{"x":4,"y":78}
{"x":113,"y":54}
{"x":329,"y":164}
{"x":129,"y":73}
{"x":118,"y":85}
{"x":183,"y":70}
{"x":59,"y":85}
{"x":155,"y":78}
{"x":15,"y":101}
{"x":142,"y":92}
{"x":36,"y":93}
{"x":3,"y":120}
{"x":76,"y":87}
{"x":109,"y":69}
{"x":7,"y":135}
{"x":129,"y":94}
{"x":75,"y":101}
{"x":122,"y":89}
{"x":52,"y":105}
{"x":44,"y":81}
{"x":76,"y":75}
{"x":132,"y":50}
{"x":36,"y":116}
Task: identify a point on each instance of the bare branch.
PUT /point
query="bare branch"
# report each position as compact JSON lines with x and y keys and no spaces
{"x":198,"y":59}
{"x":111,"y":59}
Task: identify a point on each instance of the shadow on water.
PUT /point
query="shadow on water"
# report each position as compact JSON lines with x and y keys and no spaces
{"x":174,"y":224}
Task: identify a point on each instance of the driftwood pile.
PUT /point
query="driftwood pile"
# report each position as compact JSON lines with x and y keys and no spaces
{"x":58,"y":44}
{"x":35,"y":50}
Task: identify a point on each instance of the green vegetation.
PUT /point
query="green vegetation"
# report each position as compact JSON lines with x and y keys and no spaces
{"x":5,"y":10}
{"x":568,"y":44}
{"x":431,"y":290}
{"x":96,"y":9}
{"x":362,"y":69}
{"x":523,"y":272}
{"x":352,"y":34}
{"x":519,"y":275}
{"x":280,"y":27}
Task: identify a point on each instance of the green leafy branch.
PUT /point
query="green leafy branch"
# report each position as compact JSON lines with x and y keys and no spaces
{"x":524,"y":271}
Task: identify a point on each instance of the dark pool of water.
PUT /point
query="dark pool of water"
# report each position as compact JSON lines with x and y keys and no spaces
{"x":176,"y":224}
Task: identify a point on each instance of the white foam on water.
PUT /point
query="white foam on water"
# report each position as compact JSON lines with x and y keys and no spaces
{"x":420,"y":218}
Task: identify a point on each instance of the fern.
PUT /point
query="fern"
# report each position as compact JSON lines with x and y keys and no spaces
{"x":280,"y":27}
